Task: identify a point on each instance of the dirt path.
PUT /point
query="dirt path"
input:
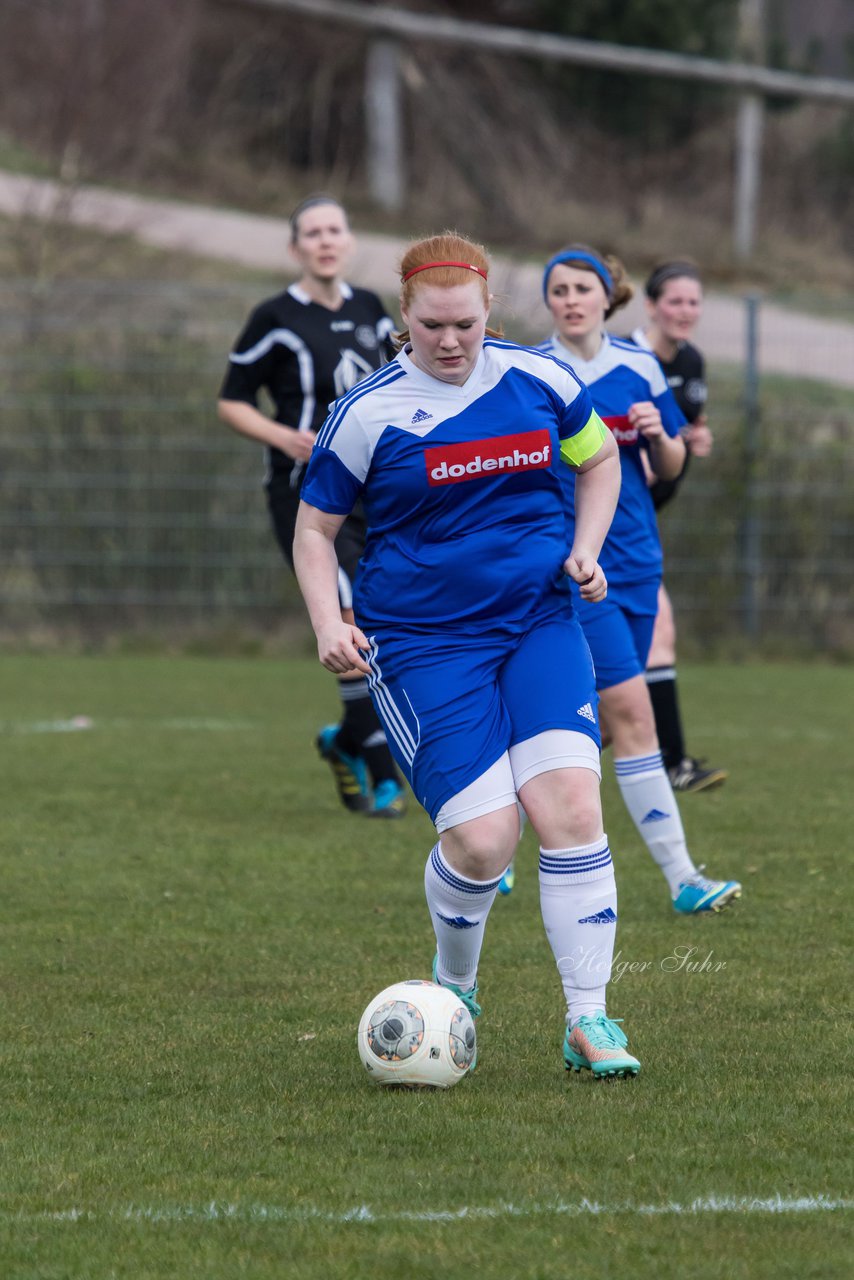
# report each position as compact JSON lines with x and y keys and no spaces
{"x":790,"y":342}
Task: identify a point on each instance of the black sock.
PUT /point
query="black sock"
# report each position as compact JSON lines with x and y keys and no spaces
{"x":661,"y":682}
{"x":361,"y":733}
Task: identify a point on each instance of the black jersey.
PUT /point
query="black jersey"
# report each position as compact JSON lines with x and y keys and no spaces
{"x":685,"y":374}
{"x":686,"y":378}
{"x":305,"y":356}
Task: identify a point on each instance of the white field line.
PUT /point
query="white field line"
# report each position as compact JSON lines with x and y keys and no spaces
{"x":222,"y":1211}
{"x":78,"y":724}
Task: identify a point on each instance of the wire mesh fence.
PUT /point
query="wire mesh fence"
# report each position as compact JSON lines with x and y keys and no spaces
{"x":128,"y":506}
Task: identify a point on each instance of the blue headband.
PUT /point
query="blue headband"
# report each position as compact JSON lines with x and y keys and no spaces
{"x":578,"y":255}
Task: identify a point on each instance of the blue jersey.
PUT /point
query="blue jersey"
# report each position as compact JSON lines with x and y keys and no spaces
{"x":618,"y":376}
{"x":461,"y":488}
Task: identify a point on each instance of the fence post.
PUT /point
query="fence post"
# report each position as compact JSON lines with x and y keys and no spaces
{"x":748,"y":132}
{"x":383,"y":124}
{"x":748,"y":170}
{"x":751,"y":527}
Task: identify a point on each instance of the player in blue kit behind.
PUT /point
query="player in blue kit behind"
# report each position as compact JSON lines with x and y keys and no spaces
{"x":582,"y":290}
{"x":465,"y":624}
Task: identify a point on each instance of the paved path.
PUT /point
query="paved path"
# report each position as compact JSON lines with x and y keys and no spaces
{"x":790,"y":342}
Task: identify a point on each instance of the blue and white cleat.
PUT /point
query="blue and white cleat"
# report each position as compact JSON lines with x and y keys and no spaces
{"x":508,"y":880}
{"x":698,"y":894}
{"x":469,"y":999}
{"x":350,"y":772}
{"x":598,"y":1044}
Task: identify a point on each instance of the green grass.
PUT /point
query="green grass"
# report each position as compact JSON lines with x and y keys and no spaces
{"x":192,"y":927}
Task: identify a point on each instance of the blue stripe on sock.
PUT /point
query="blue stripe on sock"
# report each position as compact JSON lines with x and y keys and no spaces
{"x":643,"y":764}
{"x":453,"y":882}
{"x":568,"y":866}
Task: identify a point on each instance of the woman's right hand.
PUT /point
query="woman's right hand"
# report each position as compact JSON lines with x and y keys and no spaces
{"x":338,"y":648}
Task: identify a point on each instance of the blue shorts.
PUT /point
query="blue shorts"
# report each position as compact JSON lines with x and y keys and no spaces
{"x":619,"y":631}
{"x":452,"y":705}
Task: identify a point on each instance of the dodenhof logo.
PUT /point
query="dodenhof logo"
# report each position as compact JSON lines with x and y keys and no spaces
{"x":454,"y":463}
{"x":621,"y":429}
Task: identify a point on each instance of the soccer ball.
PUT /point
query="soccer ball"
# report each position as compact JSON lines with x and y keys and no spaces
{"x":417,"y":1035}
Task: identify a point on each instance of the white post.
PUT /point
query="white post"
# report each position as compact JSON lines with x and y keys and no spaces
{"x":748,"y":168}
{"x":383,"y":124}
{"x":748,"y":131}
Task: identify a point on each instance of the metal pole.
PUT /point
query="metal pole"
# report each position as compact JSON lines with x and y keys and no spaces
{"x":383,"y":125}
{"x":751,"y":533}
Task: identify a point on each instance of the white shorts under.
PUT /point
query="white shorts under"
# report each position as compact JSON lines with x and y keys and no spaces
{"x":499,"y":786}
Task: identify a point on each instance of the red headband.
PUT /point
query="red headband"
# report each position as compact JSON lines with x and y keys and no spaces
{"x":467,"y":266}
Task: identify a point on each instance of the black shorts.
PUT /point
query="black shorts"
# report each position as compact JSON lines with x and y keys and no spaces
{"x":283,"y":501}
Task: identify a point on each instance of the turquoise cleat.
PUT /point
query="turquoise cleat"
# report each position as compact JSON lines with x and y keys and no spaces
{"x":699,"y":894}
{"x":508,"y":880}
{"x":389,"y":800}
{"x":597,"y":1044}
{"x":468,"y":998}
{"x":350,"y":772}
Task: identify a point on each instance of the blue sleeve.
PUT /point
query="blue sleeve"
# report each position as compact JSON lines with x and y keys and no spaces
{"x":576,"y":414}
{"x":328,"y":485}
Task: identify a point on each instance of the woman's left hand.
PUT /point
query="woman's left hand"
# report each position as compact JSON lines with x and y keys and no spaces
{"x":587,"y":572}
{"x":698,"y":437}
{"x":646,"y":419}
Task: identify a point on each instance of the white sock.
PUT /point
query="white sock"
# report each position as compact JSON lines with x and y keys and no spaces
{"x":578,"y":899}
{"x":458,"y":909}
{"x":649,"y":798}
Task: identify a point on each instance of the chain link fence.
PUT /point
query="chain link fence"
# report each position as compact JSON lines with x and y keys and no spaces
{"x":129,"y":508}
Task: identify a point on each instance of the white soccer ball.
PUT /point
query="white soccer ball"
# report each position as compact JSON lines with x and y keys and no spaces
{"x":417,"y":1035}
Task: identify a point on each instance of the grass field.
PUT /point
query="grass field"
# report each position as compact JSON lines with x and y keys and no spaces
{"x":192,"y":926}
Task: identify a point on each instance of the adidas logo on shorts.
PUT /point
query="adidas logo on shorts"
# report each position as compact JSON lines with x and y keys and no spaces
{"x":587,"y":712}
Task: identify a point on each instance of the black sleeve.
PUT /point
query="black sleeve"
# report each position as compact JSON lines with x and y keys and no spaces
{"x":694,"y":384}
{"x":250,"y":366}
{"x":385,"y":327}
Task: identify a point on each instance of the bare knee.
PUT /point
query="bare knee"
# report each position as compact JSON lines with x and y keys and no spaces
{"x":627,"y":710}
{"x":662,"y":651}
{"x":564,"y":807}
{"x":482,"y":848}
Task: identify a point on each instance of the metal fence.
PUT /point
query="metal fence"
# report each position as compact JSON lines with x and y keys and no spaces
{"x":128,"y":507}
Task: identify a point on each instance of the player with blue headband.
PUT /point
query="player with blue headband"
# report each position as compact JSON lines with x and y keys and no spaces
{"x":578,"y":254}
{"x":582,"y":289}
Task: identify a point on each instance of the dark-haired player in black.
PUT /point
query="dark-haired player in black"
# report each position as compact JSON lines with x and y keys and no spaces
{"x":674,"y":297}
{"x":306,"y":347}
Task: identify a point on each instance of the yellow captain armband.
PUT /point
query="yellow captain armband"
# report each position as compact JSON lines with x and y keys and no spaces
{"x":585,"y":443}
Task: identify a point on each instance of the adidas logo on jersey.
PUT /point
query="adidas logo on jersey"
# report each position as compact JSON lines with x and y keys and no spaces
{"x":453,"y":463}
{"x":420,"y":415}
{"x":608,"y":916}
{"x":587,"y":712}
{"x":655,"y":815}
